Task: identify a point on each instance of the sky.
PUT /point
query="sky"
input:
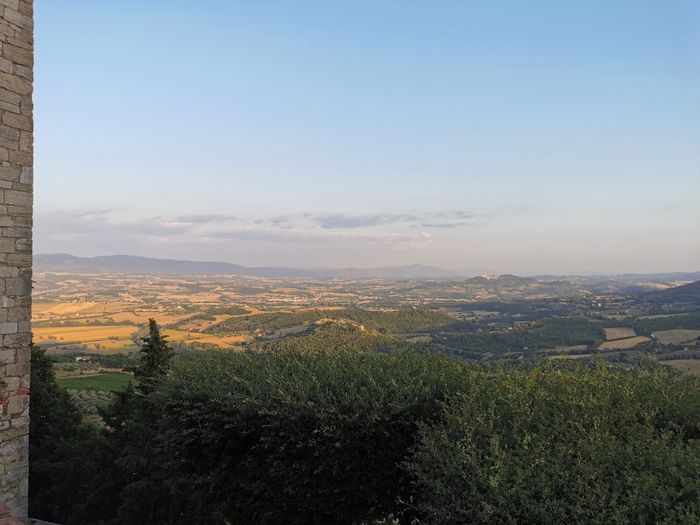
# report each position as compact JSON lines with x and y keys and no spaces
{"x":479,"y":136}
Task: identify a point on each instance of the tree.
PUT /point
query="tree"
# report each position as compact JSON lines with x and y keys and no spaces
{"x":60,"y":445}
{"x":156,"y":355}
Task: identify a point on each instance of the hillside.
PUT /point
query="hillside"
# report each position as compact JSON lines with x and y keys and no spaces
{"x":687,"y":293}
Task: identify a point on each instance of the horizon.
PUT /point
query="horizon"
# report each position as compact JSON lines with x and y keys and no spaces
{"x":465,"y":273}
{"x":525,"y":139}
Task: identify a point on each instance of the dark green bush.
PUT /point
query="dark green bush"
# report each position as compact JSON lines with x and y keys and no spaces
{"x":546,"y":446}
{"x":288,"y":438}
{"x":352,"y":437}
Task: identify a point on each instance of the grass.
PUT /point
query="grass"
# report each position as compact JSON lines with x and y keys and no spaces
{"x":109,"y":382}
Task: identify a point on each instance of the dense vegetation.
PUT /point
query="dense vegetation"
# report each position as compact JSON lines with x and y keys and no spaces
{"x":354,"y":436}
{"x":334,"y":337}
{"x":647,"y":326}
{"x":547,"y":333}
{"x":61,"y":446}
{"x":394,"y":321}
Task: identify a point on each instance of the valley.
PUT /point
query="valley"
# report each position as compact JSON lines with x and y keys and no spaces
{"x":94,"y":316}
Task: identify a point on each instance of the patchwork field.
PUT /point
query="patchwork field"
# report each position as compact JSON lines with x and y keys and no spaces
{"x":618,"y":333}
{"x":623,"y":344}
{"x":113,"y":338}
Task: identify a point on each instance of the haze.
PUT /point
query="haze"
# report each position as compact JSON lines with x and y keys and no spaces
{"x":521,"y":137}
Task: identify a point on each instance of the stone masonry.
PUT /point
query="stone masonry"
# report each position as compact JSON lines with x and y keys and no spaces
{"x":16,"y":173}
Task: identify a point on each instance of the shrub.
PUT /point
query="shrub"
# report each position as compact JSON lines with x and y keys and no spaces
{"x":547,"y":446}
{"x":288,"y":438}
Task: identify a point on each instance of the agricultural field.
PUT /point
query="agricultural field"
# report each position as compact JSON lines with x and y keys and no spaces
{"x":105,"y":382}
{"x":112,"y":338}
{"x":618,"y":333}
{"x":504,"y":318}
{"x":624,"y":344}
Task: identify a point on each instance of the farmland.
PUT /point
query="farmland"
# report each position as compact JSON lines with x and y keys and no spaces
{"x":106,"y":382}
{"x":624,"y":344}
{"x":504,"y":318}
{"x":618,"y":333}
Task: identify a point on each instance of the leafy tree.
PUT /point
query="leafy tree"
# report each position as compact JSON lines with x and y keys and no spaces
{"x":61,"y":446}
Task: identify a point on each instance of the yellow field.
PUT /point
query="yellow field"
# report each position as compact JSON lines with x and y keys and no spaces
{"x":77,"y":308}
{"x":111,"y":338}
{"x":677,"y":337}
{"x":142,"y":316}
{"x":200,"y":325}
{"x":618,"y":333}
{"x":82,"y":333}
{"x":623,"y":344}
{"x":222,"y":341}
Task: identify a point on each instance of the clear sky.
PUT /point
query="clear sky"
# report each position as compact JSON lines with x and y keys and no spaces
{"x":500,"y":136}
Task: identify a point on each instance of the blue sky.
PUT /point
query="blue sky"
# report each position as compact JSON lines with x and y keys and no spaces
{"x":520,"y":137}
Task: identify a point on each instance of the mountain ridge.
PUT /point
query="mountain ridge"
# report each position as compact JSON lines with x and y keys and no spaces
{"x":137,"y":265}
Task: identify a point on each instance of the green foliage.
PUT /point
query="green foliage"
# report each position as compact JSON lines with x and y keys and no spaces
{"x":326,"y":436}
{"x":394,"y":321}
{"x":546,"y":446}
{"x":547,"y":333}
{"x":155,"y":359}
{"x":688,"y":322}
{"x":91,"y":402}
{"x":60,"y":446}
{"x":334,"y":337}
{"x":296,"y":439}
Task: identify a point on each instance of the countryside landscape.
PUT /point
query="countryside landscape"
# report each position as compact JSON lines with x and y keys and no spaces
{"x":349,"y":263}
{"x":91,"y":321}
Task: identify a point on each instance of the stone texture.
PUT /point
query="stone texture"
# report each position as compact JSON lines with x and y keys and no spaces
{"x":16,"y":179}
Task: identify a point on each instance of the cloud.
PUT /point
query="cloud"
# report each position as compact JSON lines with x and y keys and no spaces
{"x":444,"y":225}
{"x":204,"y":218}
{"x":90,"y":223}
{"x":340,"y":220}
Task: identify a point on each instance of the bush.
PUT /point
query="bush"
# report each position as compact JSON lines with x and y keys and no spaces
{"x":546,"y":446}
{"x":288,"y":438}
{"x":366,"y":437}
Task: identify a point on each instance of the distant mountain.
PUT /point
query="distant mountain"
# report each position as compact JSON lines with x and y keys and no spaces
{"x":130,"y":264}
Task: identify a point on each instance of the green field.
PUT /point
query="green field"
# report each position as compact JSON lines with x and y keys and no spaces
{"x":109,"y":382}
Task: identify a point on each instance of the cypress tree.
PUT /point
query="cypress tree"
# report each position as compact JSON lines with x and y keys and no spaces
{"x":155,"y":359}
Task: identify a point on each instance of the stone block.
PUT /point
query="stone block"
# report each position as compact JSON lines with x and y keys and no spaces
{"x":16,"y":84}
{"x":15,"y":340}
{"x":18,"y":198}
{"x":9,"y":133}
{"x":17,"y":55}
{"x":7,"y":245}
{"x":18,"y":286}
{"x":22,"y":122}
{"x":8,"y":328}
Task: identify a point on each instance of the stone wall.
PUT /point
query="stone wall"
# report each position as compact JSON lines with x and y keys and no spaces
{"x":16,"y":161}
